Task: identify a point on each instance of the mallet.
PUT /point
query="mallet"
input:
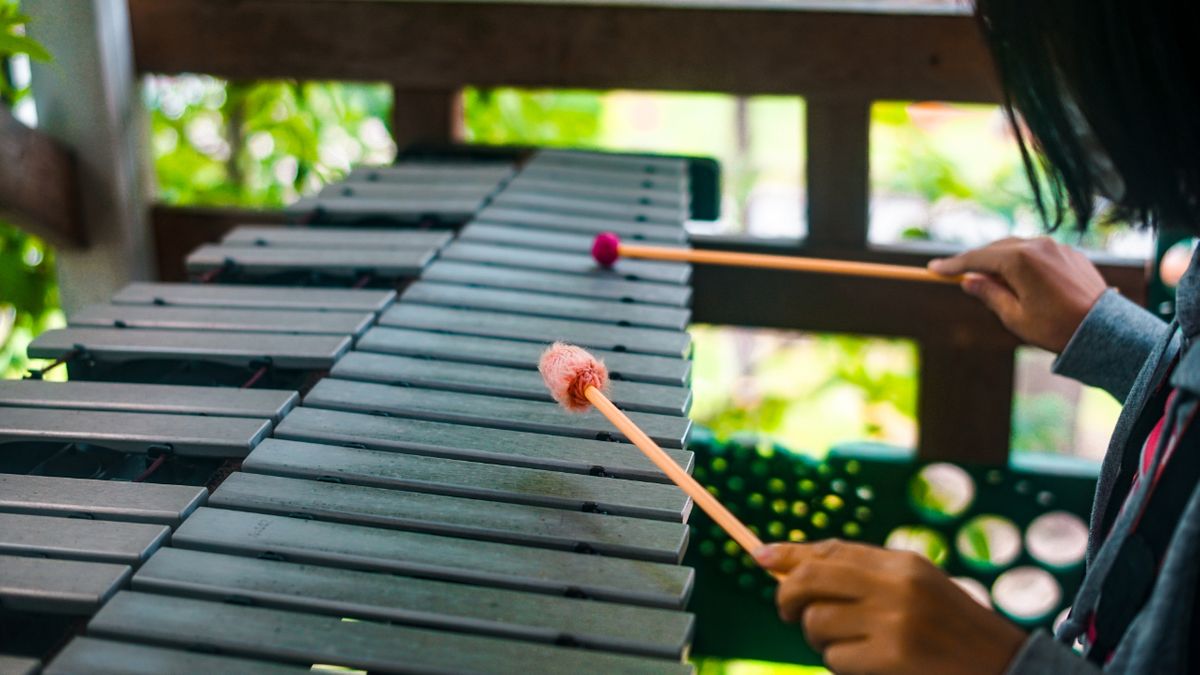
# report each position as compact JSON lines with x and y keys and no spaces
{"x":577,"y":380}
{"x":607,"y":249}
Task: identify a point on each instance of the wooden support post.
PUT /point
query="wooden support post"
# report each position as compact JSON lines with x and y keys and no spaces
{"x":425,"y":116}
{"x":965,"y":403}
{"x":87,"y":98}
{"x":837,"y":134}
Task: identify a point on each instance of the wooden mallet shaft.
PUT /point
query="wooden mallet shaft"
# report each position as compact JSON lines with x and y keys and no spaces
{"x":700,"y":496}
{"x":608,"y":248}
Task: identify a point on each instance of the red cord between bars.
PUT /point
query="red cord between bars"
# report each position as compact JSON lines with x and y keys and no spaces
{"x":158,"y":461}
{"x":258,"y":375}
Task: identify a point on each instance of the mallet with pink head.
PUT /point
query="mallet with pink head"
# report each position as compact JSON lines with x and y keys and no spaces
{"x":578,"y":380}
{"x":608,"y":248}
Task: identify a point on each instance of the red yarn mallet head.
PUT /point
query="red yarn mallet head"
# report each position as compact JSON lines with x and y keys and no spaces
{"x":606,"y":249}
{"x":568,"y":371}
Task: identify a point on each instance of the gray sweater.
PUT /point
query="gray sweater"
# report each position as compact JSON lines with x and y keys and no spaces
{"x":1127,"y":351}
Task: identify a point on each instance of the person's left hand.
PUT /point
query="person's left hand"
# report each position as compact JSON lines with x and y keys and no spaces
{"x":873,"y":610}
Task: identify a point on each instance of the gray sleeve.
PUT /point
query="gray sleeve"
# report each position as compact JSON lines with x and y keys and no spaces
{"x":1042,"y":654}
{"x":1110,"y":346}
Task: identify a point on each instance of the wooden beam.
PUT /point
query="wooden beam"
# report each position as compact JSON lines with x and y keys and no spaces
{"x":839,"y":167}
{"x":39,"y":188}
{"x":445,"y":45}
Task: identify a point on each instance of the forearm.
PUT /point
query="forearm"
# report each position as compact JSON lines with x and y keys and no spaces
{"x":1111,"y":344}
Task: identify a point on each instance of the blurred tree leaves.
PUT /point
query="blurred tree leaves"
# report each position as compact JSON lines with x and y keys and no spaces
{"x":506,"y":116}
{"x":28,"y":285}
{"x":261,"y":144}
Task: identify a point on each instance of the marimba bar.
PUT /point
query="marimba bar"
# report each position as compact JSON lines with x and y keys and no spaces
{"x":514,"y":353}
{"x":421,"y":192}
{"x":406,"y":469}
{"x":580,"y":263}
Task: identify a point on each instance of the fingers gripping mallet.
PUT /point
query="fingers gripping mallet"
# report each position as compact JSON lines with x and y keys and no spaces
{"x":607,"y":249}
{"x":577,"y":380}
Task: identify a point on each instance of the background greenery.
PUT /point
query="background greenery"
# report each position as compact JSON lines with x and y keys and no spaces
{"x":28,"y":287}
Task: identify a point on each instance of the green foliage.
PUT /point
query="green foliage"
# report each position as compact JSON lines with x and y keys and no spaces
{"x":804,"y":390}
{"x":1040,"y":423}
{"x":507,"y":116}
{"x":261,"y":144}
{"x":962,"y":158}
{"x":29,"y":303}
{"x":13,"y":41}
{"x":28,"y":286}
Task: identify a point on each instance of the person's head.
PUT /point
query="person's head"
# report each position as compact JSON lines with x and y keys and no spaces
{"x":1110,"y":93}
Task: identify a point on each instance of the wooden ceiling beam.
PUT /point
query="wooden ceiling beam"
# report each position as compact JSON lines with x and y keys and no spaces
{"x":445,"y":45}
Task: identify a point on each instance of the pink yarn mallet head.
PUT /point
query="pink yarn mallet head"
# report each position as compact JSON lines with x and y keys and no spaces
{"x":606,"y":249}
{"x":568,"y":371}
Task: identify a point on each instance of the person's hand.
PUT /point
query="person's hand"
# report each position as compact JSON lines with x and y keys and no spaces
{"x":1040,"y":289}
{"x":873,"y":610}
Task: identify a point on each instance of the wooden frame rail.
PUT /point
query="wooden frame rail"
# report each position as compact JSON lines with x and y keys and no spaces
{"x":38,"y":184}
{"x":841,"y":56}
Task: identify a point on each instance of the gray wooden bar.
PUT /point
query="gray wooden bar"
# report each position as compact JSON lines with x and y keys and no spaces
{"x":389,"y":190}
{"x":58,"y":586}
{"x":625,"y":162}
{"x":479,"y":562}
{"x":487,"y":411}
{"x":671,"y":371}
{"x":336,"y":237}
{"x":269,"y":404}
{"x":638,"y":213}
{"x":579,"y":285}
{"x":99,"y":499}
{"x":263,"y":261}
{"x":220,"y":319}
{"x":668,"y":197}
{"x":483,"y":232}
{"x":259,"y":297}
{"x":307,"y":638}
{"x":189,"y":435}
{"x":636,"y":538}
{"x":79,"y":538}
{"x":96,"y":656}
{"x":654,"y":341}
{"x":652,"y":233}
{"x":379,"y":466}
{"x":412,"y":210}
{"x":19,"y":665}
{"x":428,"y":173}
{"x":294,"y":352}
{"x":570,"y":263}
{"x":611,"y":179}
{"x":547,"y":304}
{"x":498,"y":381}
{"x":421,"y":602}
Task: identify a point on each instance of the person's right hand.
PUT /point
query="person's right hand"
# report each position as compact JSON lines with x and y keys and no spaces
{"x":1040,"y":289}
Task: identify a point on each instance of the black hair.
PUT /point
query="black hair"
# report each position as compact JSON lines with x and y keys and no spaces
{"x":1109,"y":93}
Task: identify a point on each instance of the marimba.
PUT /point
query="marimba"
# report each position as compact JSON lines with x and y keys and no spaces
{"x":389,"y":486}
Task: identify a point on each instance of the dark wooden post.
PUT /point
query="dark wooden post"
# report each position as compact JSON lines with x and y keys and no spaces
{"x":837,"y":135}
{"x":425,"y":115}
{"x":965,"y":404}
